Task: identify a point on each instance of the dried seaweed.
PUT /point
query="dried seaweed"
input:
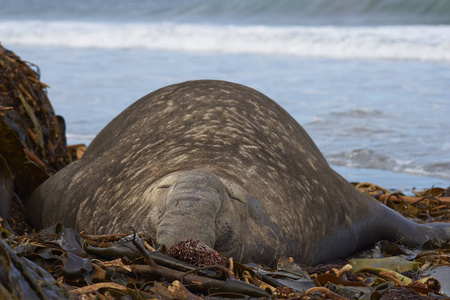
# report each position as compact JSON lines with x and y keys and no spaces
{"x":32,"y":137}
{"x":25,"y":108}
{"x":431,"y":205}
{"x":195,"y":252}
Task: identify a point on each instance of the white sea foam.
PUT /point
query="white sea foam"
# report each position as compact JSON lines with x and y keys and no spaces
{"x":72,"y":136}
{"x":365,"y":158}
{"x":382,"y":42}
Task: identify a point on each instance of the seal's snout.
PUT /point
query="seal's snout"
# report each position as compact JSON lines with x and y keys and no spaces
{"x":191,"y":206}
{"x":197,"y":184}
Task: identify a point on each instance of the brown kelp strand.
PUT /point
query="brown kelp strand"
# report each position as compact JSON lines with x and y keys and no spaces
{"x":430,"y":205}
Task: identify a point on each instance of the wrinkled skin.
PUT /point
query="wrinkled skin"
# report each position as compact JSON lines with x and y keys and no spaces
{"x":222,"y":163}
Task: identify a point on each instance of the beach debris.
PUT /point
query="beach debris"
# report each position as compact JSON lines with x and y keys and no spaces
{"x":430,"y":205}
{"x":33,"y":142}
{"x":196,"y":252}
{"x":26,"y":109}
{"x":27,"y":175}
{"x":23,"y":279}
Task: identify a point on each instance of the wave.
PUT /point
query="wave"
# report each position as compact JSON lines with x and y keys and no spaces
{"x":84,"y":137}
{"x":366,"y":158}
{"x":383,"y":42}
{"x":265,"y":12}
{"x":357,"y":113}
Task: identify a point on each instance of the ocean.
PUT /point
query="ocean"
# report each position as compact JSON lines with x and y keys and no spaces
{"x":368,"y":79}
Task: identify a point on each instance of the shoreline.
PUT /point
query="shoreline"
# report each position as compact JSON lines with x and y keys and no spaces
{"x":391,"y":180}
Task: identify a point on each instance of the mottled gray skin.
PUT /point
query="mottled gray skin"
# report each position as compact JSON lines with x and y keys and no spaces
{"x":223,"y":163}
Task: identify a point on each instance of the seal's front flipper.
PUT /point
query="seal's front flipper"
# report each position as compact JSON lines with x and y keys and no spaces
{"x":191,"y":207}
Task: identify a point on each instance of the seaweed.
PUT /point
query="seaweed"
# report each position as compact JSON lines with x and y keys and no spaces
{"x":26,"y":109}
{"x":32,"y":137}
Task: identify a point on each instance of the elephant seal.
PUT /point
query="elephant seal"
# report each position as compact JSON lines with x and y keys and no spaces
{"x":223,"y":163}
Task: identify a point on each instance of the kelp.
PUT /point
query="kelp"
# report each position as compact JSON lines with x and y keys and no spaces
{"x":430,"y":205}
{"x":22,"y":279}
{"x":394,"y":263}
{"x":26,"y":109}
{"x":195,"y":252}
{"x":32,"y":138}
{"x":27,"y":175}
{"x":65,"y":253}
{"x":6,"y":189}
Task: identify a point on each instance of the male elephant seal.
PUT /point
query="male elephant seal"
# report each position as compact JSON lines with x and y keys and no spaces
{"x":223,"y":163}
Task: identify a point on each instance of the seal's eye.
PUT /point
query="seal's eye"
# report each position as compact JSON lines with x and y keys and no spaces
{"x":233,"y":196}
{"x":164,"y":186}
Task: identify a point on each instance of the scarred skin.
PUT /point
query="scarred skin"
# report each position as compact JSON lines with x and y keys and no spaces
{"x":223,"y":163}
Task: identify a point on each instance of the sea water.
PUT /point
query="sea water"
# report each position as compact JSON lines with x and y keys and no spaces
{"x":368,"y":80}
